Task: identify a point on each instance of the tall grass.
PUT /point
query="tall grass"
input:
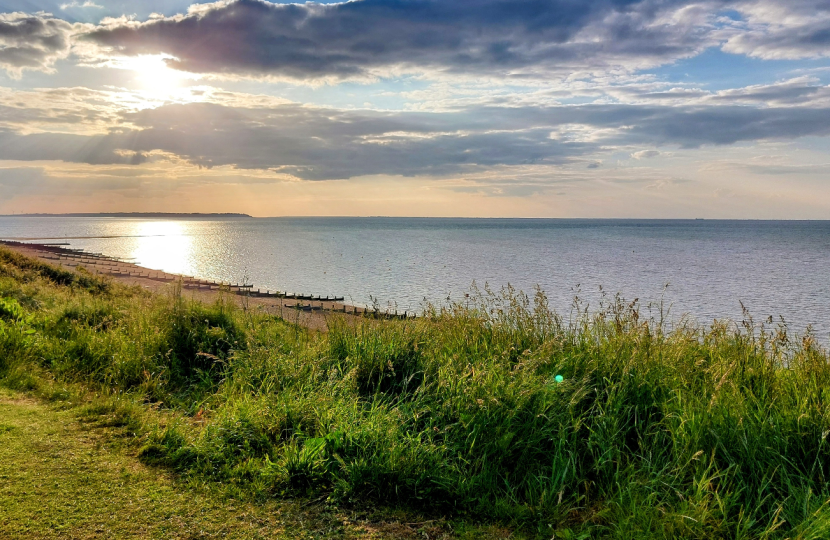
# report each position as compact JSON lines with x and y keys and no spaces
{"x":610,"y":424}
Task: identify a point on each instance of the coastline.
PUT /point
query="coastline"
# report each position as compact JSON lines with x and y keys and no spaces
{"x":407,"y":263}
{"x":137,"y":215}
{"x":306,"y":310}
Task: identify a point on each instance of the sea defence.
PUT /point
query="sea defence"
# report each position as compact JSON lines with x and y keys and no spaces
{"x":59,"y":254}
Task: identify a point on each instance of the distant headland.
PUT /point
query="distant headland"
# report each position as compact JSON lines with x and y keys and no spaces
{"x":152,"y":215}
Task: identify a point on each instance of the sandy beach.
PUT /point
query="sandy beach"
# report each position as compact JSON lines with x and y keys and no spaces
{"x":311,"y":312}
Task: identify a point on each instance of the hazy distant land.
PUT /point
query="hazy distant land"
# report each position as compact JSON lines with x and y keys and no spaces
{"x":154,"y":215}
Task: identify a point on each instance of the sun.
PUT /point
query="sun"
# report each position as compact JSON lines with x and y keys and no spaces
{"x":154,"y":75}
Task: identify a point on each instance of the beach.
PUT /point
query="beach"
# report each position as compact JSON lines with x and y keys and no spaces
{"x":305,"y":310}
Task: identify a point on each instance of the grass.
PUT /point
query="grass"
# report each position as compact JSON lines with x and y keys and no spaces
{"x":654,"y":431}
{"x":57,"y":482}
{"x":63,"y":477}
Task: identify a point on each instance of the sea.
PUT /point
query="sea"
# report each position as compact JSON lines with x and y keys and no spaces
{"x":697,"y":270}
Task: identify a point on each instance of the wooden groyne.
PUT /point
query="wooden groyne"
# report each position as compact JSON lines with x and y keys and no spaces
{"x":100,"y":264}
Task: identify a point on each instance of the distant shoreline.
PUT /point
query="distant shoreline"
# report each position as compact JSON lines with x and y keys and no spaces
{"x":136,"y":215}
{"x":233,"y":215}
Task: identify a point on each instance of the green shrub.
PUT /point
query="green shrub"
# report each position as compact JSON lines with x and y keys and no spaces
{"x":199,"y":338}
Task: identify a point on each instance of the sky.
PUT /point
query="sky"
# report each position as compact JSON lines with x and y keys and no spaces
{"x":478,"y":108}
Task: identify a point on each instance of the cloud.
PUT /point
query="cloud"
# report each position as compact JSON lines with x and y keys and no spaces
{"x":32,"y":41}
{"x":698,"y":126}
{"x":81,"y":5}
{"x":774,"y":168}
{"x":515,"y":38}
{"x":73,"y":110}
{"x":325,"y":143}
{"x":783,"y":29}
{"x":645,"y":154}
{"x":792,"y":92}
{"x":803,"y":91}
{"x":789,"y":170}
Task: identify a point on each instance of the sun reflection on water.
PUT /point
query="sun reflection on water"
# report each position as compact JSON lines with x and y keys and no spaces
{"x":163,"y":245}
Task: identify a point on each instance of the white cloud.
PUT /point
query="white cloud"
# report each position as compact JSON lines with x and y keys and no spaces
{"x":645,"y":154}
{"x":80,"y":5}
{"x":783,"y":29}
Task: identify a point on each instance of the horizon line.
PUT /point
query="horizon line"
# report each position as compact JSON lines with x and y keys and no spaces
{"x":249,"y":216}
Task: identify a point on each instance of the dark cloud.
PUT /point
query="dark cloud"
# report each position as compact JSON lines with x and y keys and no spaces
{"x":507,"y":37}
{"x":32,"y":41}
{"x":518,"y":38}
{"x":318,"y":144}
{"x":730,"y":125}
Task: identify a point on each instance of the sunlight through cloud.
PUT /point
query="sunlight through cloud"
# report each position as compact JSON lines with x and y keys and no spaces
{"x":154,"y":76}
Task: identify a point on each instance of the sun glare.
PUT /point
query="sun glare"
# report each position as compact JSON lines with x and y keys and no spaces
{"x":155,"y":76}
{"x":163,"y":245}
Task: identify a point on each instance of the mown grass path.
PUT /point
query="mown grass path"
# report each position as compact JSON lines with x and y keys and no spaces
{"x":60,"y":478}
{"x":58,"y":481}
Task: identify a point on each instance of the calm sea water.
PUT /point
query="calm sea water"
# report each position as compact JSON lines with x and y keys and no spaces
{"x":778,"y":268}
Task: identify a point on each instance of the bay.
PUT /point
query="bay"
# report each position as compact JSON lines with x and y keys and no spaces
{"x":703,"y":269}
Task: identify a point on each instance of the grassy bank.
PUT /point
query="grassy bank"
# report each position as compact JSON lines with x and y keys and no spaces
{"x":608,"y":425}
